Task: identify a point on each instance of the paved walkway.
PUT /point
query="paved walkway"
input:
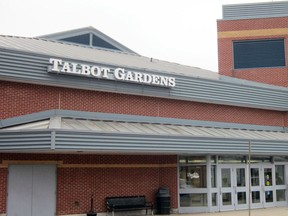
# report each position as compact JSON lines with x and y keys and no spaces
{"x":277,"y":211}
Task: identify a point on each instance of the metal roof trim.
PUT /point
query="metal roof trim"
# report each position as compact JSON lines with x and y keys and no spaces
{"x":71,"y":141}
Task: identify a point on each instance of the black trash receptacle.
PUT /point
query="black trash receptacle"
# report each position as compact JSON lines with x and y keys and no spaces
{"x":91,"y":214}
{"x":163,"y":201}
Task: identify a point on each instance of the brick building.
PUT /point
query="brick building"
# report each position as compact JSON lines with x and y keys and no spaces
{"x":83,"y":115}
{"x":252,"y":42}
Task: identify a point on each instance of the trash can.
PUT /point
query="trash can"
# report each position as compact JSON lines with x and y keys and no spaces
{"x":91,"y":214}
{"x":163,"y":201}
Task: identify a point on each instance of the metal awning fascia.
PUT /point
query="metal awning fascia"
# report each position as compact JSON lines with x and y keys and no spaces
{"x":64,"y":140}
{"x":112,"y":142}
{"x":40,"y":140}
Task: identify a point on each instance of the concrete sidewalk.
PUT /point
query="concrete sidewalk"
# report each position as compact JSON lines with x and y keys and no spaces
{"x":277,"y":211}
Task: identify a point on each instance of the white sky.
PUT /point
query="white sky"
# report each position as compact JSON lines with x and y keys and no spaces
{"x":180,"y":31}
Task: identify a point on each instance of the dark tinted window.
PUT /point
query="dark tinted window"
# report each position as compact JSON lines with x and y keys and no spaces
{"x":85,"y":39}
{"x":262,"y":53}
{"x":80,"y":39}
{"x":98,"y":42}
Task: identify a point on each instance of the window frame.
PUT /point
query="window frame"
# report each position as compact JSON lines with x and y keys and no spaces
{"x":257,"y":40}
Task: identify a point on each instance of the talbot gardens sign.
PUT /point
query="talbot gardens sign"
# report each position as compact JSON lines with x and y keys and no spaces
{"x":119,"y":74}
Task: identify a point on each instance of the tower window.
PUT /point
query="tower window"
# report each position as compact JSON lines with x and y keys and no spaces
{"x":259,"y":53}
{"x":98,"y":42}
{"x":79,"y":39}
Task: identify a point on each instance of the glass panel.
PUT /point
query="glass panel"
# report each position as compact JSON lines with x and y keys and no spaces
{"x":280,"y":158}
{"x":240,"y":172}
{"x":226,"y":199}
{"x":259,"y":53}
{"x":193,"y":200}
{"x":213,"y":159}
{"x":269,"y":196}
{"x":268,"y":176}
{"x":241,"y":197}
{"x":280,"y":174}
{"x":280,"y":195}
{"x":214,"y":199}
{"x":226,"y":177}
{"x":255,"y":177}
{"x":213,"y":176}
{"x":261,"y":159}
{"x":192,"y":160}
{"x":193,"y":177}
{"x":255,"y":196}
{"x":99,"y":42}
{"x":232,"y":159}
{"x":80,"y":39}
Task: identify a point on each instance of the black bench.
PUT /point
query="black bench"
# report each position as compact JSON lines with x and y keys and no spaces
{"x":128,"y":203}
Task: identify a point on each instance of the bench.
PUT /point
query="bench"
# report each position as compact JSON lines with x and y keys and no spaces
{"x":128,"y":203}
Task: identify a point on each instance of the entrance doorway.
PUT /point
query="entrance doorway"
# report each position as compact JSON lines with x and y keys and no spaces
{"x":262,"y":182}
{"x":268,"y":188}
{"x":221,"y":183}
{"x":233,"y":194}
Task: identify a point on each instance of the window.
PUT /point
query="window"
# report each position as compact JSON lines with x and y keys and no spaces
{"x":260,"y":53}
{"x":193,"y":200}
{"x":280,"y":174}
{"x":193,"y":172}
{"x":213,"y":176}
{"x":98,"y":42}
{"x":79,"y":39}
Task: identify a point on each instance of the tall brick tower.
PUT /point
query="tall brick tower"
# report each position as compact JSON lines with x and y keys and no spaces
{"x":252,"y":42}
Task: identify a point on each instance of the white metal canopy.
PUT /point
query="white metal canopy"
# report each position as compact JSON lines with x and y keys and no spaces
{"x":100,"y":126}
{"x":76,"y":131}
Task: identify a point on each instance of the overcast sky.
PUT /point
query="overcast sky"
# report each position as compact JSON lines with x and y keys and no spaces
{"x":180,"y":31}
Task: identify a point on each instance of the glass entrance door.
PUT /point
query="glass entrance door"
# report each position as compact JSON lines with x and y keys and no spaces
{"x":241,"y":188}
{"x":226,"y":192}
{"x":262,"y":186}
{"x":268,"y":189}
{"x":280,"y":185}
{"x":256,"y":187}
{"x":226,"y":183}
{"x":233,"y":192}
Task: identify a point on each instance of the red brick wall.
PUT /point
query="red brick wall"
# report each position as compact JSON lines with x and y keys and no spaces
{"x":252,"y":24}
{"x":170,"y":180}
{"x":3,"y":189}
{"x":75,"y":185}
{"x":274,"y":76}
{"x":19,"y":99}
{"x":286,"y":119}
